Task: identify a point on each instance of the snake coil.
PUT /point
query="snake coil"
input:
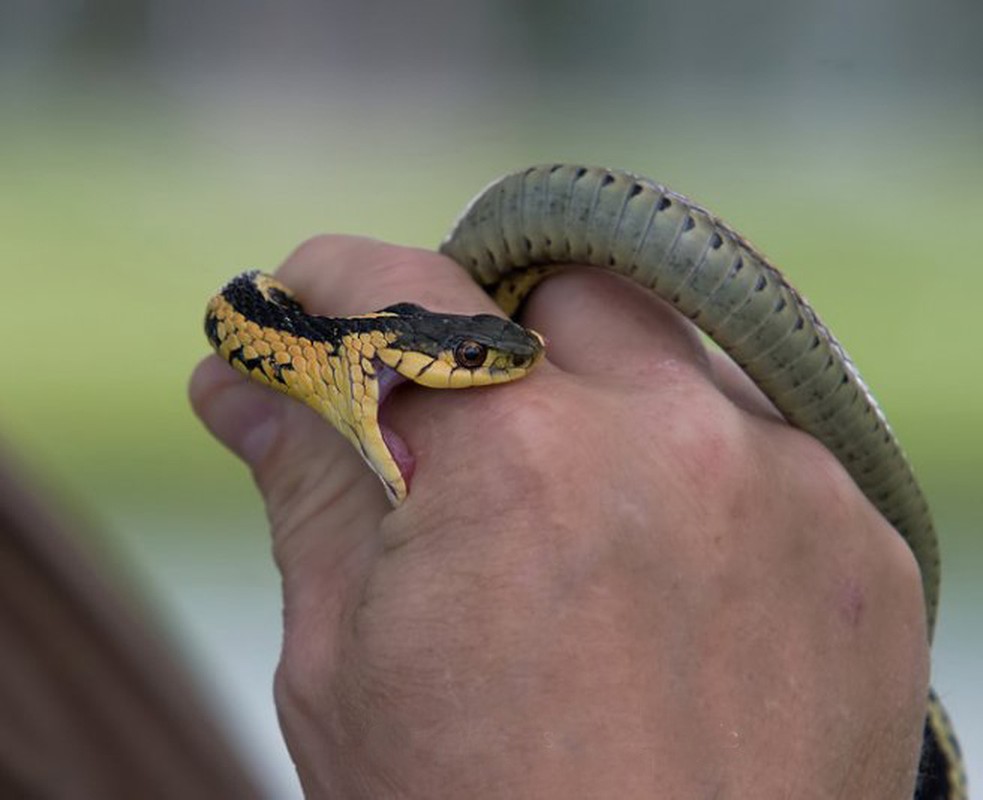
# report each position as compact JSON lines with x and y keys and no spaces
{"x":521,"y":229}
{"x":525,"y":225}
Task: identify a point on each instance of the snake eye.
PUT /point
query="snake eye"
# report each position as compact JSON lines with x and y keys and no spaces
{"x":470,"y":354}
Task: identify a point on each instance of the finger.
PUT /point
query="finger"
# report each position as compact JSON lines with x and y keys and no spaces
{"x":240,"y":414}
{"x":345,"y":275}
{"x":597,"y":323}
{"x":324,"y":505}
{"x":298,"y":461}
{"x":632,"y":329}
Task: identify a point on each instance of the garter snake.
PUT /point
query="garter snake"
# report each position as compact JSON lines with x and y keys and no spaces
{"x":523,"y":228}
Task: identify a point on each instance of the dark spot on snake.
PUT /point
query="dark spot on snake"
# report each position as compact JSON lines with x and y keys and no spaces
{"x":607,"y":180}
{"x":664,"y":203}
{"x":815,"y":343}
{"x":689,"y":223}
{"x":636,"y":189}
{"x":470,"y":354}
{"x":491,"y":257}
{"x":249,"y":363}
{"x":581,"y":171}
{"x":780,"y":305}
{"x":716,"y":241}
{"x":555,"y":168}
{"x":211,"y":329}
{"x":527,"y":243}
{"x":279,"y":369}
{"x":738,"y":266}
{"x":519,"y":361}
{"x":612,"y":261}
{"x":799,"y":323}
{"x":761,"y":284}
{"x":285,"y":301}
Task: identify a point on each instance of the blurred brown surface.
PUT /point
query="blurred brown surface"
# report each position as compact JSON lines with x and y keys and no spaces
{"x":92,"y":703}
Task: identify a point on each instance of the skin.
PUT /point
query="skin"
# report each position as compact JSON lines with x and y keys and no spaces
{"x":623,"y":576}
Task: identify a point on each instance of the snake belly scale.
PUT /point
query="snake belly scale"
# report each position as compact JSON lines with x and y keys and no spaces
{"x":525,"y":227}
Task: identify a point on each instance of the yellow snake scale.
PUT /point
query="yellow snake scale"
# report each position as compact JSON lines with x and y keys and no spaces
{"x":524,"y":227}
{"x":561,"y":214}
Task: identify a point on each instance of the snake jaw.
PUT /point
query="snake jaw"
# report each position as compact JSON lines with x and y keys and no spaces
{"x":387,"y":379}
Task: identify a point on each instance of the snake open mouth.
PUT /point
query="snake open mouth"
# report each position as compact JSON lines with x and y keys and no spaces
{"x":389,"y":379}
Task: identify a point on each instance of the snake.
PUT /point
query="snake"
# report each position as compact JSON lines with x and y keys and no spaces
{"x":514,"y":234}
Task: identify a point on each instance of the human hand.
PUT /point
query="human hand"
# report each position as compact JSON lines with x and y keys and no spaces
{"x":622,"y":576}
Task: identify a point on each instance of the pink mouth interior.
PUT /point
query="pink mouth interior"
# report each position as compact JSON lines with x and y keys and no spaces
{"x":389,"y":379}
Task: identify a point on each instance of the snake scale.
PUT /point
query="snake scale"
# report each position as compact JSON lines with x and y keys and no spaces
{"x":524,"y":227}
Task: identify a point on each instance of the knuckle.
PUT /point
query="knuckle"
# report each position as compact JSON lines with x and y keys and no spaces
{"x":298,"y":680}
{"x":831,"y":495}
{"x":534,"y":432}
{"x":535,"y":445}
{"x":824,"y":486}
{"x":705,"y":443}
{"x":307,"y":676}
{"x":829,"y":479}
{"x":903,"y":572}
{"x":289,"y":686}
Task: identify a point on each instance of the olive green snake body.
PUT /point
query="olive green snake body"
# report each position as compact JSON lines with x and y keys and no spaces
{"x":528,"y":224}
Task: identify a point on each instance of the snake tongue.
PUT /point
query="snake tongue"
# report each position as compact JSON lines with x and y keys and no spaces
{"x":388,"y":380}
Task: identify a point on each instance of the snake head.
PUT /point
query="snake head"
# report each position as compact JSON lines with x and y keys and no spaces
{"x":451,"y":351}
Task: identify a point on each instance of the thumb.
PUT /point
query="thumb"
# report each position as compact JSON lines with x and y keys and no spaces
{"x":319,"y":496}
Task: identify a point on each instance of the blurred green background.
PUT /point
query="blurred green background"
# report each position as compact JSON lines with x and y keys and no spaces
{"x":149,"y":149}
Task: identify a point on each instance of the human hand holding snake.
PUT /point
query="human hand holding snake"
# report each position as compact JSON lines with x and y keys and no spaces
{"x":622,"y":576}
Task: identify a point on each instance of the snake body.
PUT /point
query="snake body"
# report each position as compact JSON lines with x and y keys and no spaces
{"x":529,"y":224}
